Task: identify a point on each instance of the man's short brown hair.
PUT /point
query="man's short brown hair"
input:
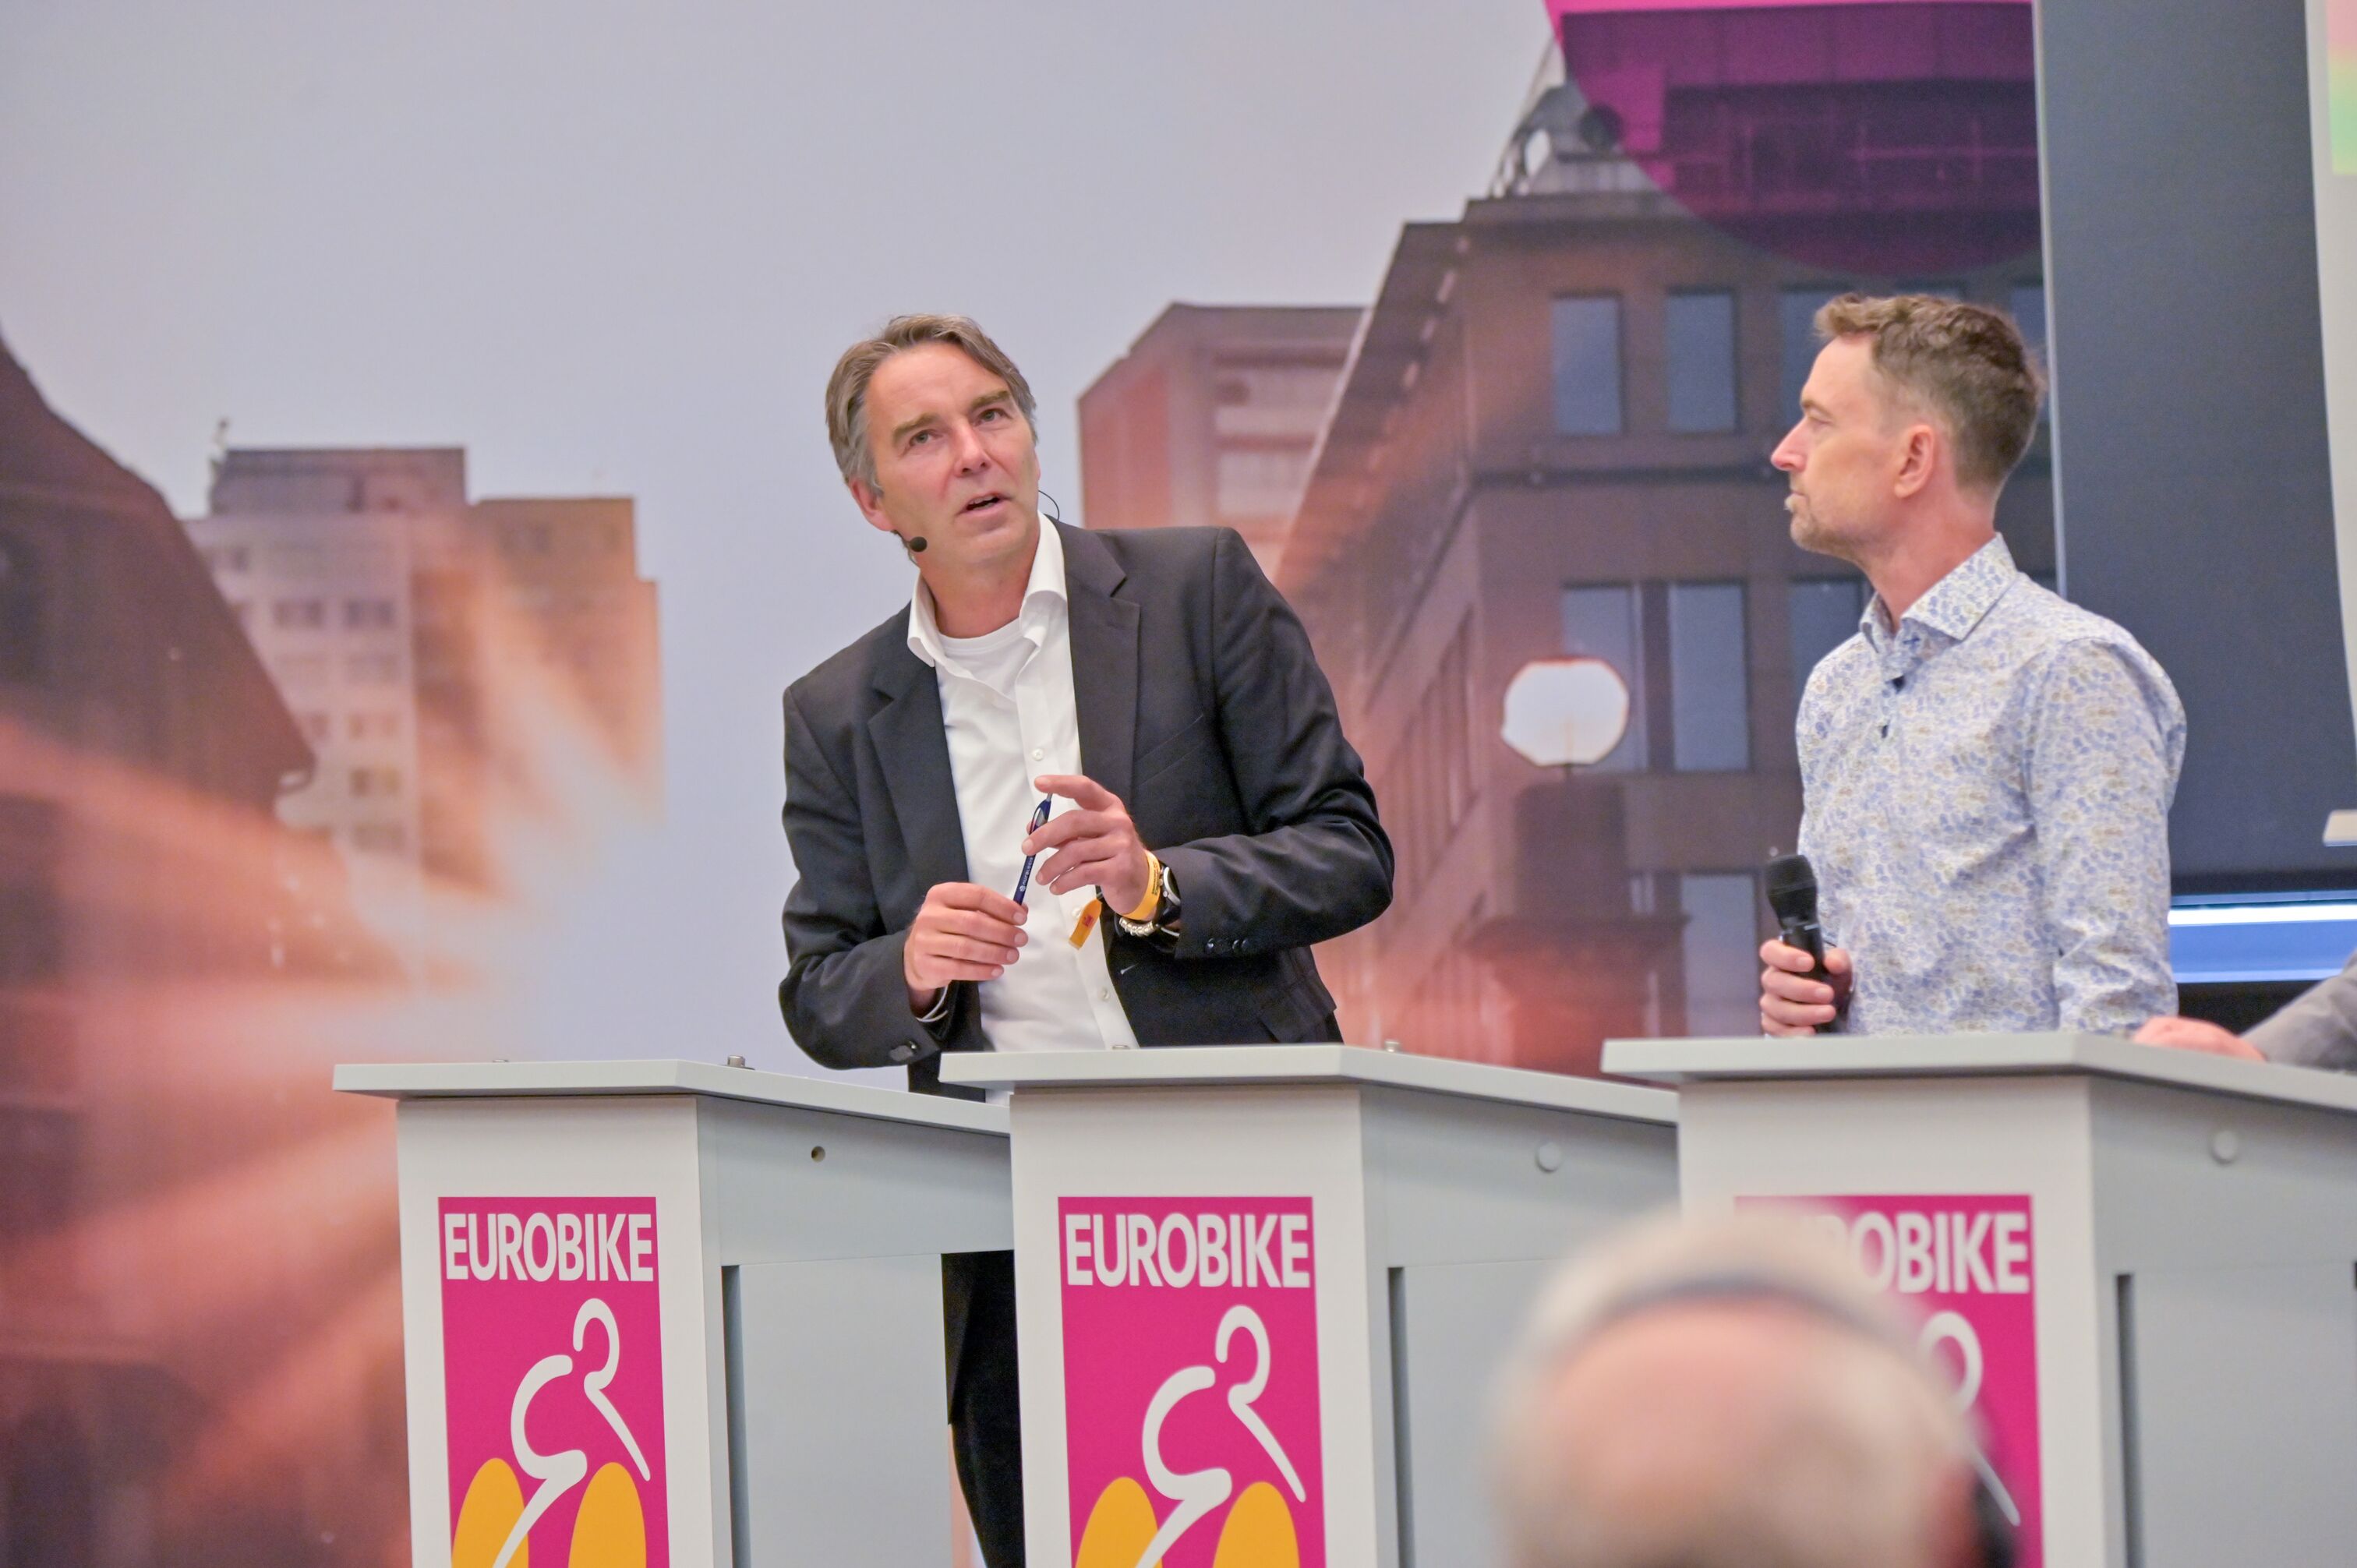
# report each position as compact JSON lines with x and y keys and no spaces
{"x":846,"y":389}
{"x":1965,"y":364}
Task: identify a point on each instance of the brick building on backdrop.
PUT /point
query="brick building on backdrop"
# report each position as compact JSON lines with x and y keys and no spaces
{"x":1550,"y":438}
{"x":410,"y":626}
{"x":1210,"y":418}
{"x":142,"y":748}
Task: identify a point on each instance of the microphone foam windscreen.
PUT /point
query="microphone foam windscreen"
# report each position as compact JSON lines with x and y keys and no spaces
{"x":1792,"y":886}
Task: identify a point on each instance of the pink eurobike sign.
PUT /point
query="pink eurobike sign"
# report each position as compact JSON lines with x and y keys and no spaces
{"x":1190,"y":1381}
{"x":551,"y":1365}
{"x":1966,"y":1264}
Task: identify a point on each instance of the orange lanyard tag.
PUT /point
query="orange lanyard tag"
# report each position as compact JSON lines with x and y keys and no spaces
{"x":1086,"y":923}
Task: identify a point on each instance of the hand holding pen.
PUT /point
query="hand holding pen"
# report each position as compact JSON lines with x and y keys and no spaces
{"x":965,"y":932}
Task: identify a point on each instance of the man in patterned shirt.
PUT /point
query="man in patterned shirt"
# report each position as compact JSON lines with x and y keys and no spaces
{"x":1986,"y":770}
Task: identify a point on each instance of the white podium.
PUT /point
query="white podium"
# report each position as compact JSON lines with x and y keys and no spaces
{"x":1262,"y":1290}
{"x":2140,"y":1264}
{"x":690,"y":1306}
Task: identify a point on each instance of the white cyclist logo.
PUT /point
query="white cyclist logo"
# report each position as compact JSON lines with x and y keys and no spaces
{"x":1199,"y":1492}
{"x":560,"y":1473}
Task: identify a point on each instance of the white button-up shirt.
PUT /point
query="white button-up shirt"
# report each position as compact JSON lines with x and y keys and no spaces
{"x":1007,"y":704}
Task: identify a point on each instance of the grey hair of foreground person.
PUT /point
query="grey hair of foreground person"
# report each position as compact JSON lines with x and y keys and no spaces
{"x":1728,"y":1394}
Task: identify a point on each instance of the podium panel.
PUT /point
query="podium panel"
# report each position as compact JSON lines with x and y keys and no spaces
{"x":2139,"y":1266}
{"x":674,"y":1313}
{"x":1263,"y":1290}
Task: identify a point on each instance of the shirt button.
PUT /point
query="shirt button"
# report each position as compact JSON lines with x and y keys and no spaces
{"x":1105,"y":994}
{"x":1037,"y":753}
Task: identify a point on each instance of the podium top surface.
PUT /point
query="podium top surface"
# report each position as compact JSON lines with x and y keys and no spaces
{"x":483,"y":1080}
{"x":1688,"y":1062}
{"x":1203,"y":1065}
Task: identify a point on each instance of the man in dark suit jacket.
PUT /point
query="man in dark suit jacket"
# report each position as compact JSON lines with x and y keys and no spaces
{"x":1219,"y":822}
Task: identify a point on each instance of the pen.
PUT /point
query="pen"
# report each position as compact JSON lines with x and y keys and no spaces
{"x":1039,"y":821}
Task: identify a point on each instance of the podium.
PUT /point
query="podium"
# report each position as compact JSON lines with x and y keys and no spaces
{"x":2140,"y":1265}
{"x":690,"y":1308}
{"x":1263,"y":1290}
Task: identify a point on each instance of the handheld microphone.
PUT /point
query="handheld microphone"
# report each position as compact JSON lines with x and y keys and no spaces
{"x":1792,"y":886}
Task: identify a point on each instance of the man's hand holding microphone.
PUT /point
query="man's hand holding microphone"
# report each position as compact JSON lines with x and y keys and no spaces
{"x":1804,"y":983}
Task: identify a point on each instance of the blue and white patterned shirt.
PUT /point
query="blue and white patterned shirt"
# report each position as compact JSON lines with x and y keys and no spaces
{"x":1987,"y":795}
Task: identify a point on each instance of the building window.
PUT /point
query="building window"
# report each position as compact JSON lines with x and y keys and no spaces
{"x":1587,"y":365}
{"x":368,"y":615}
{"x":300,"y":615}
{"x":1825,"y":613}
{"x":1700,"y":343}
{"x":1718,"y":949}
{"x":373,"y":726}
{"x":36,"y":1164}
{"x":299,"y":668}
{"x":1260,"y":481}
{"x":318,"y":728}
{"x":1603,"y":622}
{"x":528,"y":538}
{"x":381,"y":838}
{"x":1710,"y":698}
{"x":1681,"y":648}
{"x":228,"y":558}
{"x":376,"y":781}
{"x":22,"y":613}
{"x":1796,"y":312}
{"x":52,"y":1496}
{"x":2027,"y":301}
{"x":372,"y":669}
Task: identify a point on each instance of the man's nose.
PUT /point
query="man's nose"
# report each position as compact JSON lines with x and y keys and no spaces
{"x":1787,"y":455}
{"x":971,"y":454}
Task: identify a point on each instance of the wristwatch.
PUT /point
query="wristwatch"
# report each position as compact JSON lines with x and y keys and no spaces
{"x":1166,"y":909}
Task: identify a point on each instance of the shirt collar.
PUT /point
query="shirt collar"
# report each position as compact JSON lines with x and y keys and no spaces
{"x":1956,"y":603}
{"x":1045,"y":589}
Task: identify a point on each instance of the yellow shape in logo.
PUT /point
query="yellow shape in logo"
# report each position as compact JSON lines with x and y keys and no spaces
{"x":610,"y":1531}
{"x":494,"y":1502}
{"x":1120,"y":1527}
{"x":1259,"y":1532}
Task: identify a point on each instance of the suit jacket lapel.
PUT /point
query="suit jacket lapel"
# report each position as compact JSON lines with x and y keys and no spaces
{"x":1104,"y":659}
{"x":914,"y":749}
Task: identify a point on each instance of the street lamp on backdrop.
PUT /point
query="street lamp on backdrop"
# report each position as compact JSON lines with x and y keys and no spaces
{"x":1565,"y":713}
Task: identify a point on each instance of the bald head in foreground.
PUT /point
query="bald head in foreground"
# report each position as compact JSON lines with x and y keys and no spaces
{"x":1730,"y":1396}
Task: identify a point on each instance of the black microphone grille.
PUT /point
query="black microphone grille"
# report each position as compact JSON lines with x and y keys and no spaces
{"x":917,"y":545}
{"x":1791,"y":883}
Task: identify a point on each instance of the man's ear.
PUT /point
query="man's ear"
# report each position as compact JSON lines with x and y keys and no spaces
{"x":1919,"y":454}
{"x":870,"y":501}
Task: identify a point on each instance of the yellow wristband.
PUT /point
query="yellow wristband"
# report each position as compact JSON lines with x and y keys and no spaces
{"x":1153,"y":890}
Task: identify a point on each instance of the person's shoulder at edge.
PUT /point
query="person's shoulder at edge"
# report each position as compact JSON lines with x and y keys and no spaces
{"x":2041,"y":618}
{"x":2046,"y":627}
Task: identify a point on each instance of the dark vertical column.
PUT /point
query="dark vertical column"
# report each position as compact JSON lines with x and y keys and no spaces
{"x":2192,"y":464}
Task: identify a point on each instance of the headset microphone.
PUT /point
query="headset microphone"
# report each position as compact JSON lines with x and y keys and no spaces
{"x":916,"y":545}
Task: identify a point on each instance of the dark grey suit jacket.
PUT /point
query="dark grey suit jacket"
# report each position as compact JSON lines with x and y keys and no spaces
{"x":1201,"y":705}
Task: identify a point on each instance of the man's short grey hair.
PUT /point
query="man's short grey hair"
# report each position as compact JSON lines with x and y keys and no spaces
{"x":1860,"y":1457}
{"x":846,"y":389}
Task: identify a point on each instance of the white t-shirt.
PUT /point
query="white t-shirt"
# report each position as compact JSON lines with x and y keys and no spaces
{"x":1008,"y":708}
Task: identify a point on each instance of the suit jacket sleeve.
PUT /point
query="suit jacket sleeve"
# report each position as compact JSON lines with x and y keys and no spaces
{"x":844,"y":998}
{"x":1314,"y":861}
{"x":2318,"y":1028}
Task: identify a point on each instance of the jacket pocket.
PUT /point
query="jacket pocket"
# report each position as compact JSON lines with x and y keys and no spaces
{"x":1170,"y":751}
